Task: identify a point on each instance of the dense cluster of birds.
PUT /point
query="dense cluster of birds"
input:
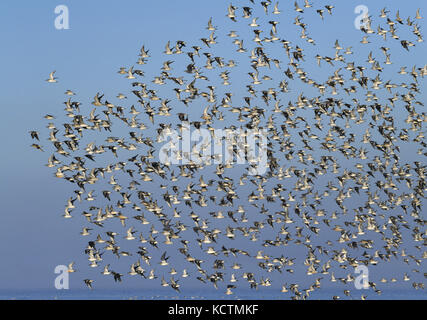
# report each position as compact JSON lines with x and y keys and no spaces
{"x":345,"y":178}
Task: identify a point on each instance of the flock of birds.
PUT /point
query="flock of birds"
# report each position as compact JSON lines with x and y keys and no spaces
{"x":345,"y":177}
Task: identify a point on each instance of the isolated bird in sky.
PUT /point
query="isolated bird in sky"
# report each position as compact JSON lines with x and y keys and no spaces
{"x":51,"y":78}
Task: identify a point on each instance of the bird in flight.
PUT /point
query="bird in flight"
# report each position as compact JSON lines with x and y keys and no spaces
{"x":51,"y":78}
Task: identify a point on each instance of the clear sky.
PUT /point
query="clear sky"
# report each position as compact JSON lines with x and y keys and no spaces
{"x":103,"y":36}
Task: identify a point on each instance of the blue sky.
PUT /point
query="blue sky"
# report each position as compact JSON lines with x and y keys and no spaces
{"x":103,"y":36}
